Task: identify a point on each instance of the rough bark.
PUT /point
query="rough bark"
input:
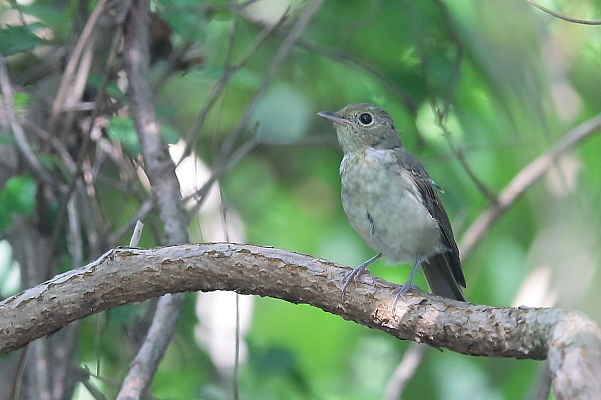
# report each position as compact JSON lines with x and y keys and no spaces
{"x":569,"y":339}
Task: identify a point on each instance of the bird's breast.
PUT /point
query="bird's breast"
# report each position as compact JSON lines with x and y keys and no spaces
{"x":385,"y":208}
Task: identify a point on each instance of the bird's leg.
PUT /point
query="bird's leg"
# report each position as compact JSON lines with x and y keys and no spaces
{"x":351,"y":276}
{"x":402,"y":290}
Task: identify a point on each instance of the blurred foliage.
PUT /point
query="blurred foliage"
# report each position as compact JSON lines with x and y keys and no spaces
{"x":500,"y":82}
{"x":17,"y":197}
{"x":17,"y":39}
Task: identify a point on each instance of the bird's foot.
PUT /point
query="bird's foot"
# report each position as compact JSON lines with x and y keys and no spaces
{"x":400,"y":293}
{"x":354,"y":274}
{"x":402,"y":290}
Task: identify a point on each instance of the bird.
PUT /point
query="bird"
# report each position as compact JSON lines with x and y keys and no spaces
{"x":392,"y":203}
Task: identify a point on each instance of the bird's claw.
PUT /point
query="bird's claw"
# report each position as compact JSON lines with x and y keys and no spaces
{"x":352,"y":277}
{"x":400,"y":293}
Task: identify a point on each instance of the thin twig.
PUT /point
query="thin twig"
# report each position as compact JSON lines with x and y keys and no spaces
{"x":404,"y":371}
{"x":459,"y":154}
{"x":563,"y":17}
{"x":217,"y":172}
{"x":277,"y":62}
{"x":235,"y":381}
{"x":522,"y":181}
{"x":227,"y":157}
{"x":389,"y":84}
{"x":221,"y":84}
{"x":443,"y":112}
{"x":86,"y":140}
{"x":135,"y":236}
{"x":76,"y":89}
{"x":74,"y":231}
{"x":141,"y":214}
{"x":68,"y":77}
{"x":18,"y":133}
{"x":442,"y":109}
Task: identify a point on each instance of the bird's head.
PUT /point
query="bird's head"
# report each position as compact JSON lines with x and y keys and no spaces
{"x":362,"y":125}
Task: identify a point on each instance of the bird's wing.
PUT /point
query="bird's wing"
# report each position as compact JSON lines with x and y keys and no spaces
{"x":428,"y":191}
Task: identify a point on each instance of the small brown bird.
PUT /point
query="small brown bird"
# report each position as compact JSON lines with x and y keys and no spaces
{"x":392,"y":203}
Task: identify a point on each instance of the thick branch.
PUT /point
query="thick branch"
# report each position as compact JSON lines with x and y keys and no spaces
{"x":570,"y":340}
{"x":127,"y":275}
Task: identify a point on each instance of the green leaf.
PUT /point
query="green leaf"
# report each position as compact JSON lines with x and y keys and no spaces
{"x":59,"y":20}
{"x":18,"y":39}
{"x":122,"y":130}
{"x":20,"y":192}
{"x":6,"y":139}
{"x":16,"y":197}
{"x":169,"y":134}
{"x":111,"y":89}
{"x":5,"y":217}
{"x":21,"y":98}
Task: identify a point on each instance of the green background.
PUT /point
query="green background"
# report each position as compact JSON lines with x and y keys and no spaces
{"x":512,"y":81}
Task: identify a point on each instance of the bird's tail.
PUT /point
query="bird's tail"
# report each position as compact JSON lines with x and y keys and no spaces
{"x":439,"y":272}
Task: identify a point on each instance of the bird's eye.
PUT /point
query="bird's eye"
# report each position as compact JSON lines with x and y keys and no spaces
{"x":366,"y":118}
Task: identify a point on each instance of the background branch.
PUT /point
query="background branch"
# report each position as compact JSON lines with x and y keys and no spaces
{"x":563,"y":17}
{"x":522,"y":181}
{"x":160,"y":169}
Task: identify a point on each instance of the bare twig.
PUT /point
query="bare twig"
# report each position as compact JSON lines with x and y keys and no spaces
{"x":441,"y":108}
{"x":342,"y":56}
{"x":144,"y":365}
{"x":70,"y":71}
{"x":563,"y":17}
{"x":140,"y":214}
{"x":18,"y":133}
{"x":160,"y":170}
{"x":135,"y":237}
{"x":221,"y":84}
{"x":227,"y":156}
{"x":389,"y":84}
{"x":524,"y":180}
{"x":56,"y":145}
{"x":277,"y":62}
{"x":404,"y":371}
{"x":220,"y":169}
{"x":460,"y":156}
{"x":159,"y":167}
{"x":74,"y":231}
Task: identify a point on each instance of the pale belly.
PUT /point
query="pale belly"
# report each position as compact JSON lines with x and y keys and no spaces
{"x":384,"y":208}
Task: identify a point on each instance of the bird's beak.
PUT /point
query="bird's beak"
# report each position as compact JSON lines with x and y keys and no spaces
{"x":332,"y":117}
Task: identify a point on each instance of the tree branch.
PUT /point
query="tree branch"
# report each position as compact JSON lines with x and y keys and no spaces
{"x":563,"y":17}
{"x":570,"y":341}
{"x":158,"y":165}
{"x":522,"y":181}
{"x":160,"y":169}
